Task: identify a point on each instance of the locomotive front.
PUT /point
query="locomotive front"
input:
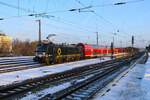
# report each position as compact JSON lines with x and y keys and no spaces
{"x":50,"y":53}
{"x":40,"y":52}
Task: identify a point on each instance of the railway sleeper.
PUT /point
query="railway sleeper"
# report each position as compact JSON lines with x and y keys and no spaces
{"x":65,"y":74}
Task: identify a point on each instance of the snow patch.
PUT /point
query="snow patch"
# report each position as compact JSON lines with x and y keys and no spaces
{"x":19,"y":76}
{"x":128,"y":88}
{"x":51,"y":90}
{"x":146,"y":81}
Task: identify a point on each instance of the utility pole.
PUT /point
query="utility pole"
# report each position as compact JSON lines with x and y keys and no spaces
{"x":114,"y":38}
{"x":132,"y":45}
{"x":112,"y":50}
{"x":39,"y":22}
{"x":97,"y":38}
{"x":18,"y":7}
{"x":132,"y":41}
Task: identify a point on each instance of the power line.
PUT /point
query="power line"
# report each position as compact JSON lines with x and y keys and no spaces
{"x":59,"y":11}
{"x":15,"y":7}
{"x":118,"y":3}
{"x":73,"y":24}
{"x":79,"y":2}
{"x":33,"y":8}
{"x":18,"y":6}
{"x":58,"y":19}
{"x":47,"y":4}
{"x":82,"y":34}
{"x":101,"y":17}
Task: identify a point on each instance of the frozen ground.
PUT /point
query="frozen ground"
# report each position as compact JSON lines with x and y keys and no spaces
{"x":18,"y":57}
{"x":146,"y":81}
{"x":53,"y":89}
{"x":18,"y":76}
{"x":135,"y":85}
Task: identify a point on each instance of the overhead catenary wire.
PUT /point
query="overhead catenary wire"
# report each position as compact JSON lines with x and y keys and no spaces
{"x":47,"y":4}
{"x":56,"y":19}
{"x":62,"y":11}
{"x":101,"y":17}
{"x":117,"y":3}
{"x":18,"y":7}
{"x":15,"y":7}
{"x":109,"y":22}
{"x":66,"y":10}
{"x":27,"y":10}
{"x":68,"y":34}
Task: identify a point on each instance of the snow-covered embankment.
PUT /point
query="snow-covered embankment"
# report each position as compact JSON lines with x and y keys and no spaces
{"x":128,"y":87}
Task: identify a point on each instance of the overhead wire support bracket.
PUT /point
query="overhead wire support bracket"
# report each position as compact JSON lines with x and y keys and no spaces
{"x":44,"y":15}
{"x":120,"y":3}
{"x":86,"y":11}
{"x":82,"y":9}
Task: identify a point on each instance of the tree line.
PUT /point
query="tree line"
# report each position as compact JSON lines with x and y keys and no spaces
{"x":23,"y":48}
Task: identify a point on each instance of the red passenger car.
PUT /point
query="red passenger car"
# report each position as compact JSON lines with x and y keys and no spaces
{"x":86,"y":49}
{"x":93,"y":51}
{"x":90,"y":51}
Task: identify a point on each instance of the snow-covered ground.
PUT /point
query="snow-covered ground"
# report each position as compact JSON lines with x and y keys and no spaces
{"x":18,"y":57}
{"x":135,"y":85}
{"x":53,"y":89}
{"x":18,"y":76}
{"x":146,"y":80}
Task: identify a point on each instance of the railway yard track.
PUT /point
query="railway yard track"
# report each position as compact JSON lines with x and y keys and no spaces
{"x":84,"y":82}
{"x":16,"y":64}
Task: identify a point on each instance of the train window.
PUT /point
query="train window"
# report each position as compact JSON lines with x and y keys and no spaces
{"x":42,"y":48}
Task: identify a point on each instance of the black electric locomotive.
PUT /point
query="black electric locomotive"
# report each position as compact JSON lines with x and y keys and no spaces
{"x":50,"y":53}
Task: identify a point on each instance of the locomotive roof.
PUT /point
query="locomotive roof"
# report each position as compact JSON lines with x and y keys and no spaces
{"x":93,"y":46}
{"x":60,"y":44}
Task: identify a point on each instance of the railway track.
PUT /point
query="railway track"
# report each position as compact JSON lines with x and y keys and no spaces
{"x":67,"y":75}
{"x":31,"y":83}
{"x":85,"y":90}
{"x":57,"y":82}
{"x":15,"y":64}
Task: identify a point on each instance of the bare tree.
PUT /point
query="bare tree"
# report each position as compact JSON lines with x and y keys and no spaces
{"x":24,"y":48}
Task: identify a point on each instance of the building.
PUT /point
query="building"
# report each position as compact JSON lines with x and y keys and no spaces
{"x":5,"y":44}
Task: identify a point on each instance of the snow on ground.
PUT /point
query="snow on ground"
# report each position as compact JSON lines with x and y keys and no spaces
{"x":128,"y":88}
{"x":146,"y":80}
{"x":17,"y":57}
{"x":36,"y":96}
{"x":51,"y":90}
{"x":18,"y":76}
{"x":131,"y":86}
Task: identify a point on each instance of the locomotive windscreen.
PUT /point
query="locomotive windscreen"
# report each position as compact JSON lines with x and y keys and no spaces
{"x":42,"y":48}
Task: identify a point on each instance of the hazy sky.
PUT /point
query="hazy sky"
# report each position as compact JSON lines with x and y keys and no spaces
{"x":72,"y":27}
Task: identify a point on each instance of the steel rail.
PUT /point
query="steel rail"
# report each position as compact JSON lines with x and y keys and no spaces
{"x":30,"y":83}
{"x":70,"y":93}
{"x":26,"y":85}
{"x":19,"y":68}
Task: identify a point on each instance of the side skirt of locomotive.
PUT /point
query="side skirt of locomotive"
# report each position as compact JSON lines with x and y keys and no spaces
{"x":58,"y":59}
